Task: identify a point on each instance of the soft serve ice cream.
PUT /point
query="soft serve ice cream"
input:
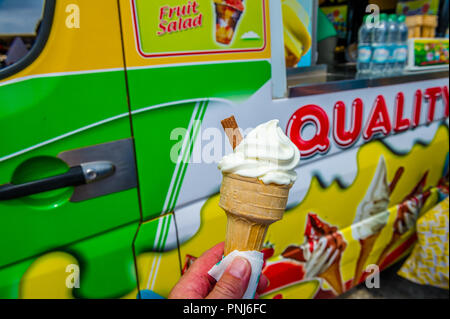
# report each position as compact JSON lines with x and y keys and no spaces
{"x":407,"y":213}
{"x":410,"y":208}
{"x":266,"y":153}
{"x":371,"y":217}
{"x":256,"y":180}
{"x":372,"y":214}
{"x":321,"y":254}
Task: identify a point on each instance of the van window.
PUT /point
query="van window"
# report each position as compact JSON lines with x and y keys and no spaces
{"x":20,"y":24}
{"x":356,"y":43}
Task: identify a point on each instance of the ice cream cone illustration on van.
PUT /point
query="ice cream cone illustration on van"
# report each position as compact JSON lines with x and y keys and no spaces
{"x":228,"y":13}
{"x":321,"y":253}
{"x":297,"y":39}
{"x":407,"y":213}
{"x":372,"y":214}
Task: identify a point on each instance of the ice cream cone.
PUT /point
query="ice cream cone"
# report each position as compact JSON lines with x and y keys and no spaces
{"x":297,"y":38}
{"x":291,"y":58}
{"x":251,"y":206}
{"x":333,"y":277}
{"x":395,"y":238}
{"x":366,"y":248}
{"x":227,"y":17}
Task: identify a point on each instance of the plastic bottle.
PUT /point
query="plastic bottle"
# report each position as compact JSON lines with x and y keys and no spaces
{"x":392,"y":42}
{"x":401,"y":51}
{"x":380,"y":53}
{"x":364,"y":46}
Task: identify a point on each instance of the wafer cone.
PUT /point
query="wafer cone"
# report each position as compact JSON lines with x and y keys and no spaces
{"x":395,"y":238}
{"x":333,"y":277}
{"x":366,"y":248}
{"x":251,"y":206}
{"x":291,"y":59}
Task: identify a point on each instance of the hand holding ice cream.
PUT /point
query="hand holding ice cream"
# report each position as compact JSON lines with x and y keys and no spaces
{"x":197,"y":284}
{"x":257,"y":177}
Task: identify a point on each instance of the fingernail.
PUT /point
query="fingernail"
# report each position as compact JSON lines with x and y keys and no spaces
{"x":238,"y":267}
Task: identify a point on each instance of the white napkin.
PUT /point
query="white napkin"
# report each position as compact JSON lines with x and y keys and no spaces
{"x":256,"y":260}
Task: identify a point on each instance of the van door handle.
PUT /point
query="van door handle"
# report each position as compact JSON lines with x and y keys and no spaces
{"x":77,"y":175}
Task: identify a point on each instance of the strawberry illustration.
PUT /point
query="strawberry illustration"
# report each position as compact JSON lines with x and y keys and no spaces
{"x":268,"y":250}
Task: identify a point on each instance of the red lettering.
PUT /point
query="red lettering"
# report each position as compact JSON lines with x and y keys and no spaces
{"x":432,"y":94}
{"x":172,"y":26}
{"x":162,"y":27}
{"x":417,"y":107}
{"x":162,"y":12}
{"x":342,"y":137}
{"x":197,"y":21}
{"x":177,"y":13}
{"x":445,"y":95}
{"x":401,"y":123}
{"x":317,"y":116}
{"x":187,"y":24}
{"x":194,"y":7}
{"x":378,"y":121}
{"x":182,"y":11}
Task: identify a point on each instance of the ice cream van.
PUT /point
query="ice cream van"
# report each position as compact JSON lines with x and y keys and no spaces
{"x":110,"y":138}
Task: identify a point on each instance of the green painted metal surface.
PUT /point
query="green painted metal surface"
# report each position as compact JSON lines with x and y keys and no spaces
{"x":38,"y":110}
{"x":152,"y":129}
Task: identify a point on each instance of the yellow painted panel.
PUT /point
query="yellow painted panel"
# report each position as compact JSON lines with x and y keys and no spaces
{"x":95,"y":45}
{"x":158,"y":271}
{"x":46,"y":277}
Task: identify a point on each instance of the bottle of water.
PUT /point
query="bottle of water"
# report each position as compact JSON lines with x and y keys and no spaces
{"x":364,"y":46}
{"x":380,"y":53}
{"x":401,"y":51}
{"x":391,"y":41}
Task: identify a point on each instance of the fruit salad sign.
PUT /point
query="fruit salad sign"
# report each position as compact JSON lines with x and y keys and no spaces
{"x":189,"y":27}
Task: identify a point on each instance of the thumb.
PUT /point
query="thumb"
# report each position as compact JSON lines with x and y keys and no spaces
{"x":234,"y":281}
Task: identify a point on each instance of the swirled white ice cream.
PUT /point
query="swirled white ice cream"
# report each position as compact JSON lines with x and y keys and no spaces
{"x":265,"y":153}
{"x":372,"y":214}
{"x":320,"y":259}
{"x":410,"y":214}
